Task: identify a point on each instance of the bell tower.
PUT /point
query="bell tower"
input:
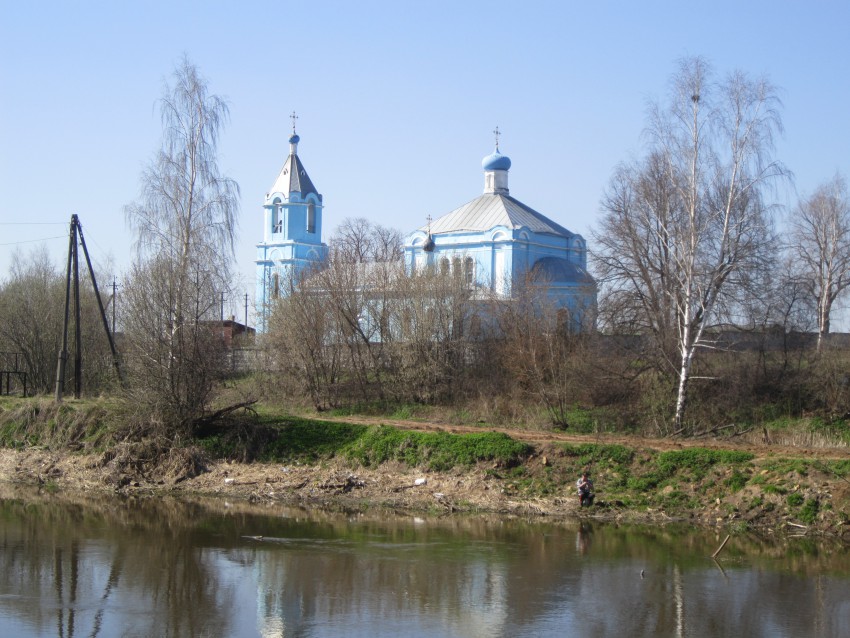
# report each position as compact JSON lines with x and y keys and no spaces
{"x":292,"y":231}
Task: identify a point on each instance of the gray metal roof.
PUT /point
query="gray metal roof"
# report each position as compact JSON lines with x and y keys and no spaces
{"x":495,"y":209}
{"x":558,"y":270}
{"x":293,"y":177}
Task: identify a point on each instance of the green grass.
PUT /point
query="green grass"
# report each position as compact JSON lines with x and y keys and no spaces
{"x":279,"y":440}
{"x":389,"y":409}
{"x":434,"y":450}
{"x":692,"y":464}
{"x":589,"y":453}
{"x":698,"y":461}
{"x":676,"y":500}
{"x":75,"y":423}
{"x":809,"y":511}
{"x":306,"y":440}
{"x":582,"y":420}
{"x":310,"y":440}
{"x":786,"y":466}
{"x":736,"y":482}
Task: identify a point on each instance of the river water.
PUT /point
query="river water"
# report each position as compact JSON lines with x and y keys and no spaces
{"x":72,"y":565}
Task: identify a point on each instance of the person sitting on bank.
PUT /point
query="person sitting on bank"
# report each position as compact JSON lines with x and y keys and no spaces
{"x":585,"y":489}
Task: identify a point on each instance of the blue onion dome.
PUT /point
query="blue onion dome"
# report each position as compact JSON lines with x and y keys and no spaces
{"x":294,"y":139}
{"x":496,"y":161}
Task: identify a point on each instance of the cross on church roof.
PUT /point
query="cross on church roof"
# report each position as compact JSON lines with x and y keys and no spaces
{"x":497,"y":134}
{"x":293,"y":117}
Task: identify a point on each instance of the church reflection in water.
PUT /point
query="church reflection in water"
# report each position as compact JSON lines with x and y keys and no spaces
{"x":76,"y":566}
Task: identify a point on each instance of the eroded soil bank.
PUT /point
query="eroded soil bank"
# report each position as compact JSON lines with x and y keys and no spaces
{"x":780,"y":490}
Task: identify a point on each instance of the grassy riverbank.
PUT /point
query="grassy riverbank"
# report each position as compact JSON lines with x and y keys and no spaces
{"x":366,"y":463}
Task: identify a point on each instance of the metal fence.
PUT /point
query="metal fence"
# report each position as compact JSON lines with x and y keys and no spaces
{"x":13,"y":377}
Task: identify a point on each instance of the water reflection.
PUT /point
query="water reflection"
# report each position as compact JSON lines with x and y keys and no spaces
{"x":77,"y":566}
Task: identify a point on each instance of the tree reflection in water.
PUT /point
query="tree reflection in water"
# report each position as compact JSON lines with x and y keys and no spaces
{"x":73,"y":565}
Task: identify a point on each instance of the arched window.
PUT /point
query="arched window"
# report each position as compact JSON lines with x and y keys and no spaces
{"x":469,"y":270}
{"x":277,"y":216}
{"x":311,"y":217}
{"x":444,"y":266}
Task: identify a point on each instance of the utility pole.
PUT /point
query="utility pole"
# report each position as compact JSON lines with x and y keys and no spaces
{"x":78,"y":341}
{"x":76,"y":236}
{"x":246,"y":311}
{"x":63,"y":351}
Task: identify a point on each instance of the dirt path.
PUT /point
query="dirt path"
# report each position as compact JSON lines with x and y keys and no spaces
{"x":757,"y":443}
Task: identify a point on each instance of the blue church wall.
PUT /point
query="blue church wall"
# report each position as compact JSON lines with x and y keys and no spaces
{"x":503,"y":258}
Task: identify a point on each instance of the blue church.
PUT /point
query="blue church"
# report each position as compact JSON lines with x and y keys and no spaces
{"x":292,"y":230}
{"x":497,"y":243}
{"x":500,"y":244}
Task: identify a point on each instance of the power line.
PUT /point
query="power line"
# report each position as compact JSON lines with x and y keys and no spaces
{"x":33,"y":224}
{"x":30,"y":241}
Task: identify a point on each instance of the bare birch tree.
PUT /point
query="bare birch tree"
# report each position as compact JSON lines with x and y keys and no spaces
{"x":820,"y":239}
{"x":680,"y":229}
{"x":185,"y":222}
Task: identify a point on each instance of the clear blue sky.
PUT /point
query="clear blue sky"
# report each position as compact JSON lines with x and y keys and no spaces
{"x":396,"y":101}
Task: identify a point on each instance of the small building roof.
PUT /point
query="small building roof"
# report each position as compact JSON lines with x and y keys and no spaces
{"x":495,"y":209}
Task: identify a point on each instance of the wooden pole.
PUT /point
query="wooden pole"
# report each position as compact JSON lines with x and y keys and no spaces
{"x":63,"y":352}
{"x":722,"y":545}
{"x":78,"y":340}
{"x":100,"y":307}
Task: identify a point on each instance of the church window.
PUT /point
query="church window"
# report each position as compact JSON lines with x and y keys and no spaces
{"x":311,"y":217}
{"x":275,"y":286}
{"x":277,"y":218}
{"x":469,"y":270}
{"x":456,"y":266}
{"x":444,"y":266}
